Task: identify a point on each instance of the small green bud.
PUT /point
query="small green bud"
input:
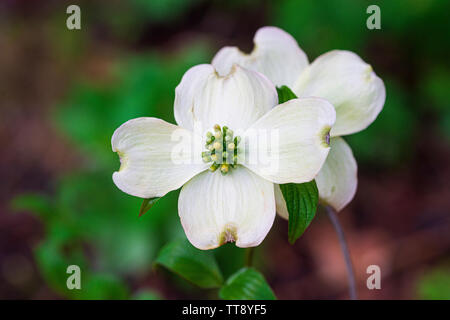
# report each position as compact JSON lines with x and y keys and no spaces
{"x":221,"y":149}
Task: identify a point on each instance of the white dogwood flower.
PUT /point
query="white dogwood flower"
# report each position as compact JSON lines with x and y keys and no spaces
{"x":225,"y":196}
{"x":341,"y":77}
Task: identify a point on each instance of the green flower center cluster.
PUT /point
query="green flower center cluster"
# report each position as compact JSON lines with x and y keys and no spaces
{"x":221,"y":149}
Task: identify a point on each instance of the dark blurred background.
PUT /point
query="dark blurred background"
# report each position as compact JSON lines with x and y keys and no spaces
{"x":63,"y":93}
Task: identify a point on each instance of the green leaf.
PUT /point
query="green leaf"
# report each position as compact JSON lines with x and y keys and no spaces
{"x":53,"y":255}
{"x":285,"y":94}
{"x":196,"y":266}
{"x":301,"y":200}
{"x":147,"y":204}
{"x":246,"y":284}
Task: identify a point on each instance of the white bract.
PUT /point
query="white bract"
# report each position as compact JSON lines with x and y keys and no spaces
{"x":340,"y":77}
{"x":214,"y":153}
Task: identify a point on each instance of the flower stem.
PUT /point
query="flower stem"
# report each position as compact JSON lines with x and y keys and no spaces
{"x":348,"y":262}
{"x":249,"y":257}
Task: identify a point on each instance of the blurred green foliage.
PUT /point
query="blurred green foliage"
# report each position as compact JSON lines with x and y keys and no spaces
{"x":390,"y":139}
{"x":126,"y":20}
{"x":162,"y":9}
{"x":90,"y":223}
{"x":335,"y":24}
{"x":435,"y":92}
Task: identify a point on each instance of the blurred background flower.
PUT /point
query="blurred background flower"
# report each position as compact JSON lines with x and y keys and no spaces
{"x":63,"y":92}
